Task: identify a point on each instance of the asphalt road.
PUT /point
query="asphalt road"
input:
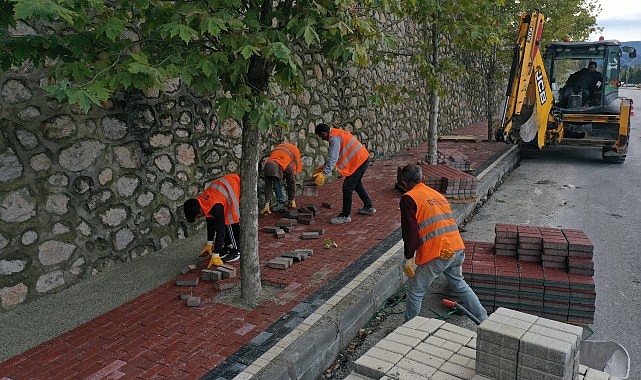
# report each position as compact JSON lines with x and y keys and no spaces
{"x":571,"y":187}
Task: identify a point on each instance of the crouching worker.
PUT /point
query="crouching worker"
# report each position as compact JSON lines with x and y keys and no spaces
{"x":285,"y":161}
{"x":220,"y":205}
{"x":432,"y":245}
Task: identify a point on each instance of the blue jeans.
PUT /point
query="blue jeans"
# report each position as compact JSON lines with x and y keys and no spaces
{"x":418,"y":285}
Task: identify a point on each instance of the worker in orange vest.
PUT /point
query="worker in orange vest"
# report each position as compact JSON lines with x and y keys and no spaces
{"x":432,"y":245}
{"x":220,"y":205}
{"x":283,"y":160}
{"x":351,"y":159}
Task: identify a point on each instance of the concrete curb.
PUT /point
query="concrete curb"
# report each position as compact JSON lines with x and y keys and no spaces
{"x":312,"y":346}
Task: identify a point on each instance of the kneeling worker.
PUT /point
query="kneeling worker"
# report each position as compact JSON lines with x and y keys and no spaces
{"x":220,"y":205}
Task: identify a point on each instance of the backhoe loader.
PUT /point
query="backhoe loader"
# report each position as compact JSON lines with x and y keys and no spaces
{"x":542,"y":108}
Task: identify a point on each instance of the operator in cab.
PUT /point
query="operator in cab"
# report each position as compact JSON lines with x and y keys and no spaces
{"x":586,"y":82}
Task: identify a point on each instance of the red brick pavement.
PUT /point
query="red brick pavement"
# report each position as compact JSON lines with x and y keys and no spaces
{"x":157,"y":336}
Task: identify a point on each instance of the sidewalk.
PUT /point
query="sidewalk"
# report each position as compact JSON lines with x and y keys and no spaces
{"x":314,"y":302}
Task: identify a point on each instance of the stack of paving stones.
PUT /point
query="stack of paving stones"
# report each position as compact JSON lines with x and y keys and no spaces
{"x":515,"y":345}
{"x":456,"y":186}
{"x":453,"y":158}
{"x":223,"y":277}
{"x":543,"y":283}
{"x":508,"y":345}
{"x":530,"y":243}
{"x":422,"y":348}
{"x":285,"y":260}
{"x":309,"y":187}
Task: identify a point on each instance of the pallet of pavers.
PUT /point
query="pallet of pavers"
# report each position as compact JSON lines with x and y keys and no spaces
{"x":508,"y":345}
{"x":549,"y":273}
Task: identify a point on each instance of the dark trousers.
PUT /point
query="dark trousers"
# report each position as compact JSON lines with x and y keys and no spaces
{"x":353,"y":183}
{"x":232,"y":234}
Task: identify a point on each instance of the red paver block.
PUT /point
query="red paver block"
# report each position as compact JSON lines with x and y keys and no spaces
{"x":310,"y":235}
{"x":270,"y":229}
{"x":280,"y":233}
{"x":188,"y":268}
{"x":210,"y":275}
{"x":310,"y":191}
{"x":280,"y":262}
{"x":311,"y":208}
{"x":193,"y":301}
{"x":297,"y":256}
{"x":327,"y":205}
{"x":578,"y":240}
{"x":192,"y":282}
{"x":308,"y":251}
{"x":227,"y":271}
{"x":286,"y":222}
{"x":223,"y":285}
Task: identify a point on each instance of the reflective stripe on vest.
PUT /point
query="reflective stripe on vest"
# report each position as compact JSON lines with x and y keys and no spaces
{"x":224,"y":187}
{"x":289,"y":151}
{"x":226,"y":192}
{"x":437,"y":227}
{"x":352,"y":153}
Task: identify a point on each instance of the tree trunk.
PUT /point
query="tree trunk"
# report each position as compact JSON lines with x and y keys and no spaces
{"x":490,"y":82}
{"x":249,"y":261}
{"x":432,"y":148}
{"x":258,"y":79}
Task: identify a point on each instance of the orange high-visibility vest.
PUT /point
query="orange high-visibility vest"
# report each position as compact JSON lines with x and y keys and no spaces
{"x":352,"y":153}
{"x":285,"y":154}
{"x":226,"y":191}
{"x":437,"y":229}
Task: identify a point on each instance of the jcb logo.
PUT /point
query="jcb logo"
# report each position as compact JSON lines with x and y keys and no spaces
{"x":530,"y":33}
{"x":538,"y":77}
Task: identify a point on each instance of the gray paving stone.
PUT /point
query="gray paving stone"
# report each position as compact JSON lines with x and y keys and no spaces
{"x":388,"y":356}
{"x":457,"y":370}
{"x":420,"y":369}
{"x":403,"y":339}
{"x":546,"y":348}
{"x":402,"y":349}
{"x":426,"y":358}
{"x":435,"y":351}
{"x":370,"y":366}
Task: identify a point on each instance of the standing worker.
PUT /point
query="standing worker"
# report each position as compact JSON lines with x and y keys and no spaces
{"x":351,"y":159}
{"x":284,"y":159}
{"x":432,"y":245}
{"x":220,"y":205}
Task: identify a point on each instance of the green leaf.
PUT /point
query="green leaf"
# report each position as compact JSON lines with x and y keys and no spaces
{"x":46,"y":9}
{"x":281,"y":51}
{"x":113,"y":28}
{"x":247,"y":51}
{"x":310,"y":36}
{"x":184,"y":32}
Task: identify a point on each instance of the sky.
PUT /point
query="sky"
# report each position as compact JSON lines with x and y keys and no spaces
{"x":620,"y":19}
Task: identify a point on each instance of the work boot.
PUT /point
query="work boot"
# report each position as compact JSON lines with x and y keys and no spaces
{"x":232,"y":256}
{"x":340,"y":219}
{"x":367,"y":210}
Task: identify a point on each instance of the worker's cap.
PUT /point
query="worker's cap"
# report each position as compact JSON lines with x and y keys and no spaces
{"x":191,"y":208}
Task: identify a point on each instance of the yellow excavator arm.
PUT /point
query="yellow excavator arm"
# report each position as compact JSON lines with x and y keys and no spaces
{"x":529,"y":96}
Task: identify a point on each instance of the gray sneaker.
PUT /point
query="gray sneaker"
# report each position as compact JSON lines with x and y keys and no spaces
{"x":340,"y":220}
{"x":367,"y":210}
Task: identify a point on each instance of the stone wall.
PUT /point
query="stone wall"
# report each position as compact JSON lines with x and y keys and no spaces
{"x":81,"y":192}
